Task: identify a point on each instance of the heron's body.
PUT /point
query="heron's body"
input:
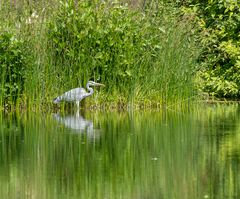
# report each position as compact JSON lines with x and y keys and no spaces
{"x":76,"y":94}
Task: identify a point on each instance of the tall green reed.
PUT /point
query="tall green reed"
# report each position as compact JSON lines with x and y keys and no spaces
{"x":141,"y":56}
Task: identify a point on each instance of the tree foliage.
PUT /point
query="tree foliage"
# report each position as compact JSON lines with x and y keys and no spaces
{"x":219,"y":23}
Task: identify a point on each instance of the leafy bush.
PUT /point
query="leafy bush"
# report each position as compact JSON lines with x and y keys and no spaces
{"x":96,"y":40}
{"x":12,"y":64}
{"x":219,"y":22}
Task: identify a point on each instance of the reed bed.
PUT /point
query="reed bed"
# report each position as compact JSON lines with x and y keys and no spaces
{"x":143,"y":52}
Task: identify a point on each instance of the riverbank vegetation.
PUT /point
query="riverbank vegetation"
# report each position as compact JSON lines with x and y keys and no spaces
{"x":144,"y":52}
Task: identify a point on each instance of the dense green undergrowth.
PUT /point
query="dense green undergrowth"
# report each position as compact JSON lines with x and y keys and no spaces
{"x":218,"y":21}
{"x":141,"y":55}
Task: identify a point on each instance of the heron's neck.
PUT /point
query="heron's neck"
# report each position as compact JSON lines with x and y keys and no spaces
{"x":89,"y":89}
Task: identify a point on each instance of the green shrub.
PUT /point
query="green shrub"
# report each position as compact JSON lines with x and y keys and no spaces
{"x":219,"y":23}
{"x":96,"y":41}
{"x":12,"y":64}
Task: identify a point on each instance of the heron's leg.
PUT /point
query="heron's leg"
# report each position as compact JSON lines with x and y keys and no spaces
{"x":77,"y":102}
{"x":77,"y":113}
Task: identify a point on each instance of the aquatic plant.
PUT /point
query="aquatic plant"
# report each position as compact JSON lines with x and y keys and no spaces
{"x":142,"y":56}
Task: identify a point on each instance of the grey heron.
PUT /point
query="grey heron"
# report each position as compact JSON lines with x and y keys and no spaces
{"x":77,"y":94}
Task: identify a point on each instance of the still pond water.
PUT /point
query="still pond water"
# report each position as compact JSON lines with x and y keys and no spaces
{"x":193,"y":153}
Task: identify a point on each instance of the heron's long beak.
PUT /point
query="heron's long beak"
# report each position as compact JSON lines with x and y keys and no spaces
{"x":98,"y":84}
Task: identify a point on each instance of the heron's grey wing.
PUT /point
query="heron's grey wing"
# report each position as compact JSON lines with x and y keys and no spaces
{"x":75,"y":94}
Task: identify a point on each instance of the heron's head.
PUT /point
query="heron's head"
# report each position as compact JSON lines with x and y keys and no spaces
{"x":92,"y":83}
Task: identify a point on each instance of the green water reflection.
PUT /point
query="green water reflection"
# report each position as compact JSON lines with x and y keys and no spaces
{"x":106,"y":155}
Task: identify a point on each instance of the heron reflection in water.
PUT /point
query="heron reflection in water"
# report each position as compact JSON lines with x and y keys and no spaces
{"x":78,"y":124}
{"x":77,"y":94}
